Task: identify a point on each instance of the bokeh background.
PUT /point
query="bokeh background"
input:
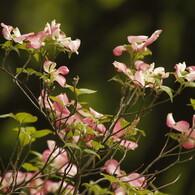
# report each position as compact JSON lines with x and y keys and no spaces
{"x":101,"y":25}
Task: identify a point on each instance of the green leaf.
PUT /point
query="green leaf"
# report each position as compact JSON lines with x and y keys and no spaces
{"x":7,"y":45}
{"x":56,"y":100}
{"x":175,"y":136}
{"x":96,"y":145}
{"x":80,"y":91}
{"x":91,"y":152}
{"x":168,"y":90}
{"x":29,"y":167}
{"x":117,"y":79}
{"x":25,"y":135}
{"x":5,"y":115}
{"x":29,"y":71}
{"x":36,"y":154}
{"x":72,"y":145}
{"x":41,"y":133}
{"x":21,"y":46}
{"x":192,"y":103}
{"x":189,"y":84}
{"x":23,"y":117}
{"x":37,"y":57}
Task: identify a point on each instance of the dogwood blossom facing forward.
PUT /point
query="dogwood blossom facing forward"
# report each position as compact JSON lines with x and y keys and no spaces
{"x":188,"y":134}
{"x":55,"y":74}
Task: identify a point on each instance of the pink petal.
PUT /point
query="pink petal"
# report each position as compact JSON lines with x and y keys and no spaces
{"x":117,"y":130}
{"x":51,"y":144}
{"x":153,"y":38}
{"x":60,"y":79}
{"x":63,"y":98}
{"x":140,"y":65}
{"x":49,"y":66}
{"x":60,"y":160}
{"x":120,"y":191}
{"x":74,"y":45}
{"x":112,"y":167}
{"x":138,"y":39}
{"x":70,"y":169}
{"x":119,"y":50}
{"x":182,"y":126}
{"x":6,"y":31}
{"x":189,"y":145}
{"x":95,"y":113}
{"x":121,"y":67}
{"x":63,"y":70}
{"x":137,"y":182}
{"x":138,"y":78}
{"x":170,"y":121}
{"x":129,"y":144}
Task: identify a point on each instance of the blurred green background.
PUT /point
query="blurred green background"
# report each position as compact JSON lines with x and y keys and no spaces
{"x":101,"y":25}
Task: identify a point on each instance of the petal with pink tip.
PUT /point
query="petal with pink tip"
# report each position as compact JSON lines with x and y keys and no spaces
{"x":119,"y":50}
{"x":63,"y":70}
{"x":182,"y":126}
{"x":112,"y":167}
{"x":60,"y":79}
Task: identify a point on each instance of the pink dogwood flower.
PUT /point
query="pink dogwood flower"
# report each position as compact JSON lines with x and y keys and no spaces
{"x":148,"y":76}
{"x":53,"y":187}
{"x":55,"y":74}
{"x":14,"y":34}
{"x":118,"y":132}
{"x":53,"y":30}
{"x":36,"y":41}
{"x":58,"y":157}
{"x":112,"y":166}
{"x":181,"y":71}
{"x":183,"y":127}
{"x":121,"y":67}
{"x":140,"y":43}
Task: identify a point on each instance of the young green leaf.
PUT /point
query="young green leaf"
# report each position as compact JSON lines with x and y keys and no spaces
{"x":91,"y":152}
{"x":72,"y":145}
{"x":168,"y":90}
{"x":192,"y":103}
{"x":29,"y":167}
{"x":80,"y":91}
{"x":41,"y":133}
{"x":23,"y":117}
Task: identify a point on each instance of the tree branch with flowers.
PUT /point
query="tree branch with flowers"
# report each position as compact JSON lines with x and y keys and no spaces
{"x":84,"y":142}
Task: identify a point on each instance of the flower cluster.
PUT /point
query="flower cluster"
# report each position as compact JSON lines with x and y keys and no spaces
{"x":86,"y":123}
{"x":51,"y":31}
{"x":140,"y":73}
{"x":112,"y":167}
{"x":145,"y":75}
{"x":34,"y":184}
